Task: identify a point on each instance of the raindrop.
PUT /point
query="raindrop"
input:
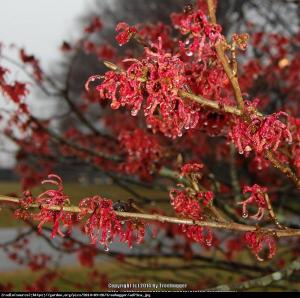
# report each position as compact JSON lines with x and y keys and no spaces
{"x":106,"y":248}
{"x":245,"y":215}
{"x":189,"y":53}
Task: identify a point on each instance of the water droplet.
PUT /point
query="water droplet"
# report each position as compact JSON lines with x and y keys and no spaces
{"x":189,"y":53}
{"x":106,"y":248}
{"x":241,"y":151}
{"x":245,"y":215}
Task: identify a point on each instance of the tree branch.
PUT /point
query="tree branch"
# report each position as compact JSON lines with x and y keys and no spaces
{"x":168,"y":219}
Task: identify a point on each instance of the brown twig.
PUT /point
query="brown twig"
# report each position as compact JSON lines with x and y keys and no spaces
{"x":271,"y":212}
{"x":220,"y":48}
{"x":168,"y":219}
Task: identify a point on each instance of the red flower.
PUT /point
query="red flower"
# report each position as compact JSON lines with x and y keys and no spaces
{"x":241,"y":40}
{"x":52,"y":198}
{"x":257,"y":197}
{"x":103,"y":218}
{"x":256,"y":243}
{"x":94,"y":26}
{"x":191,"y":168}
{"x":143,"y":153}
{"x":184,"y":205}
{"x":262,"y":133}
{"x":127,"y":32}
{"x":157,"y":78}
{"x":206,"y":196}
{"x":188,"y":207}
{"x":15,"y":91}
{"x":104,"y":226}
{"x":35,"y":64}
{"x":197,"y":29}
{"x":86,"y":256}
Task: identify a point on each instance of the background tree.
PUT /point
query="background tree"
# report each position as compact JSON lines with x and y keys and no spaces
{"x":150,"y":123}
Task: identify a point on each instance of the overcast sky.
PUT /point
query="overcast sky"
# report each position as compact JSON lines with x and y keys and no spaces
{"x":40,"y":25}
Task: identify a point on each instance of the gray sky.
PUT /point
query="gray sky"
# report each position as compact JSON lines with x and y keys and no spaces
{"x":39,"y":26}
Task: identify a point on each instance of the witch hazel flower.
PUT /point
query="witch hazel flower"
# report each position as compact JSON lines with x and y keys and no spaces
{"x":257,"y":198}
{"x":126,"y":32}
{"x":54,"y":198}
{"x":184,"y":205}
{"x":103,"y":224}
{"x":260,"y":133}
{"x":152,"y":84}
{"x":189,"y":207}
{"x":197,"y":30}
{"x":144,"y":153}
{"x":256,"y":241}
{"x":191,"y":168}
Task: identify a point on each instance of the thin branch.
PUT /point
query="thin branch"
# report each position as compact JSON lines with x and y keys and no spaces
{"x":271,"y":212}
{"x":211,"y":104}
{"x":168,"y":219}
{"x":73,"y":145}
{"x":220,"y":48}
{"x":262,"y":281}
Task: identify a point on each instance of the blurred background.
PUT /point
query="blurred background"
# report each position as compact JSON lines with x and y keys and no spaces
{"x":46,"y":29}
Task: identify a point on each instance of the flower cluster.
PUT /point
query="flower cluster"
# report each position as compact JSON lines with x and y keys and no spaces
{"x":240,"y":40}
{"x":144,"y":153}
{"x":184,"y":205}
{"x":33,"y":62}
{"x":104,"y":226}
{"x":257,"y":197}
{"x":86,"y":256}
{"x":94,"y":25}
{"x":126,"y":32}
{"x":256,"y":242}
{"x":198,"y":29}
{"x":260,"y":133}
{"x":16,"y":91}
{"x":189,"y":207}
{"x":156,"y":79}
{"x":191,"y":168}
{"x":51,"y":198}
{"x":103,"y":218}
